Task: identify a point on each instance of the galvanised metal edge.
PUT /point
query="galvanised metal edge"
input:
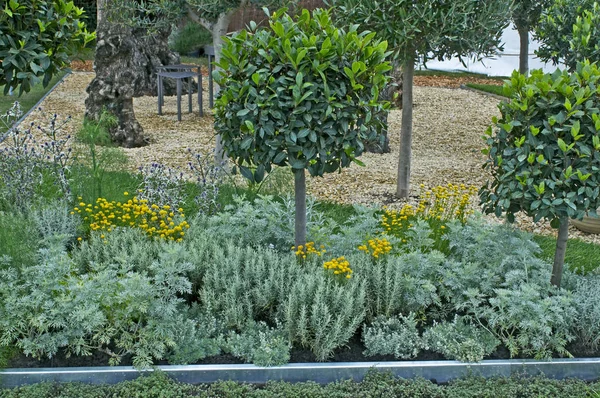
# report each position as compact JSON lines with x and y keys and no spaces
{"x":37,"y":105}
{"x":587,"y":369}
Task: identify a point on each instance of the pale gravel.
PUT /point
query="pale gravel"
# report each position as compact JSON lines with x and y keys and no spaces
{"x":448,"y":124}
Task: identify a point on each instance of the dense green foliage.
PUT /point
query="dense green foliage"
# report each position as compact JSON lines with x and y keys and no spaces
{"x":568,"y":32}
{"x":36,"y":38}
{"x":189,"y":38}
{"x":375,"y":384}
{"x":544,"y":151}
{"x":301,"y":93}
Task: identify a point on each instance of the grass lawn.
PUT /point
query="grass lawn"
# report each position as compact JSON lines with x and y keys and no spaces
{"x":580,"y":255}
{"x":488,"y":88}
{"x":27,"y":100}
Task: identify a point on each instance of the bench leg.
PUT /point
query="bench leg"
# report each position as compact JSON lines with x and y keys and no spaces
{"x":179,"y":99}
{"x":189,"y":95}
{"x":159,"y":89}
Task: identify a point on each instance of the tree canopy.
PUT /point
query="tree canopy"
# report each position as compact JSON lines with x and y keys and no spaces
{"x":36,"y":39}
{"x":427,"y":29}
{"x":301,"y":93}
{"x":544,"y":151}
{"x":560,"y":42}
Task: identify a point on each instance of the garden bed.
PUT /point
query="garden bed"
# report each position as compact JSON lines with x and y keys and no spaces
{"x":447,"y":128}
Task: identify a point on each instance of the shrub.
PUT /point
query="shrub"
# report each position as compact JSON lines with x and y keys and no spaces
{"x":260,"y":345}
{"x":586,"y":300}
{"x":397,"y":336}
{"x":542,"y":152}
{"x":460,"y":340}
{"x":322,"y":314}
{"x":399,"y":285}
{"x":189,"y":38}
{"x":48,"y":307}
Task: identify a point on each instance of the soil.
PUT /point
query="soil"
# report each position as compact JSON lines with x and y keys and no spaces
{"x":351,"y":352}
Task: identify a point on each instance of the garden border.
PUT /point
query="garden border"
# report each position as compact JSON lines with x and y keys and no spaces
{"x":587,"y":369}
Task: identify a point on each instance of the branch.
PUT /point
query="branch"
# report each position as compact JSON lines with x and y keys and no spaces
{"x":196,"y":18}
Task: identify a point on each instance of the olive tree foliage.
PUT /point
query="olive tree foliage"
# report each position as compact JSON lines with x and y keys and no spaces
{"x":301,"y":93}
{"x":569,"y":32}
{"x":544,"y":151}
{"x":525,"y":17}
{"x":36,"y":39}
{"x":427,"y":29}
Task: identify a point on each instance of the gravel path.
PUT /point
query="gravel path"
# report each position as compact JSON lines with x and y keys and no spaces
{"x":447,"y":127}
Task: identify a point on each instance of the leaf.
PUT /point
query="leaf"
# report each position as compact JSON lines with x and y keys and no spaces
{"x":243,"y":112}
{"x":247,"y":173}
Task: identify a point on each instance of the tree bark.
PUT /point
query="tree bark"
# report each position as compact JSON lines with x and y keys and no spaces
{"x":300,"y":201}
{"x":125,"y":65}
{"x":382,"y":143}
{"x":403,"y":184}
{"x":561,"y":249}
{"x":523,"y":51}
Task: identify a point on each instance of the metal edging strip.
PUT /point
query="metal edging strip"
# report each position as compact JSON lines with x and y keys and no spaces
{"x":587,"y":369}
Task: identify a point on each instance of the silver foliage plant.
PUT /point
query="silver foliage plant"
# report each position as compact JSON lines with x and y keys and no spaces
{"x":397,"y":336}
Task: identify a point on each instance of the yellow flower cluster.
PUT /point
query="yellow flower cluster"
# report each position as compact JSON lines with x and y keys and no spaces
{"x":443,"y":203}
{"x":155,"y":221}
{"x":304,"y":250}
{"x":446,"y":202}
{"x":392,"y":221}
{"x":339,"y":266}
{"x":376,"y":247}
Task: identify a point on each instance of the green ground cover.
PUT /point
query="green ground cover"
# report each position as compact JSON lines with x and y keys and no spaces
{"x":374,"y":385}
{"x":488,"y":88}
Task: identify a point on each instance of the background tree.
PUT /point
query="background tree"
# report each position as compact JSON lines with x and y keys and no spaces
{"x":525,"y":16}
{"x":127,"y":56}
{"x":568,"y":32}
{"x":300,"y":93}
{"x":427,"y":29}
{"x":544,"y":151}
{"x":36,"y":39}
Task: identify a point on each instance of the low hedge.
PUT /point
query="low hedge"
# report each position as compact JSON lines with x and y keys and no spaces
{"x":375,"y":384}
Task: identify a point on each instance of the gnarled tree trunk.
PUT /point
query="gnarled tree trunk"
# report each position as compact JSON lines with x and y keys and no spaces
{"x":125,"y":64}
{"x":393,"y":89}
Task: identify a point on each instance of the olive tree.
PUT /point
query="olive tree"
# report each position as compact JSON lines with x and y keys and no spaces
{"x":544,"y":151}
{"x":426,"y":29}
{"x":569,"y":32}
{"x":36,"y":39}
{"x":302,"y":93}
{"x":525,"y":17}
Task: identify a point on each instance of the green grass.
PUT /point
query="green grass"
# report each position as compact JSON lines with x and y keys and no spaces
{"x":27,"y":100}
{"x":488,"y":88}
{"x":203,"y":61}
{"x":581,"y":256}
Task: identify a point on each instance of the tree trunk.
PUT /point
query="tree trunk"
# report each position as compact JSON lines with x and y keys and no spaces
{"x":403,"y":184}
{"x":300,"y":201}
{"x":561,"y":249}
{"x":219,"y":30}
{"x":125,"y":66}
{"x":524,"y":51}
